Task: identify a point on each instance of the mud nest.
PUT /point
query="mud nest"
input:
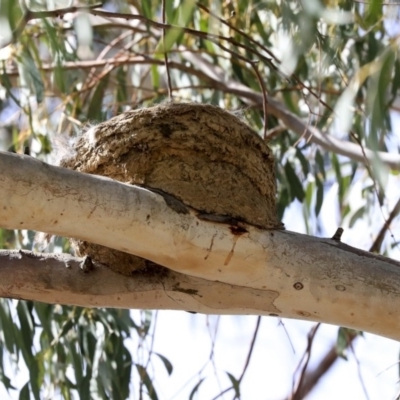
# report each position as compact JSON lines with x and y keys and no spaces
{"x":202,"y":155}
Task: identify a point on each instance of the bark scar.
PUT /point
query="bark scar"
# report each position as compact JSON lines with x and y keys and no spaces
{"x":230,"y":254}
{"x":211,"y":246}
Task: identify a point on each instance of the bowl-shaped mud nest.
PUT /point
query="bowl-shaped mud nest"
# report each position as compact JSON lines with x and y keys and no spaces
{"x":202,"y":155}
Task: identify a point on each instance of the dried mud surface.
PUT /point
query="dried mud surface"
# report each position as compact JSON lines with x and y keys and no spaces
{"x":202,"y":155}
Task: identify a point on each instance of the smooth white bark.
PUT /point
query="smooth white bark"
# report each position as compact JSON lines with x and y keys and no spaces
{"x":292,"y":275}
{"x":52,"y":278}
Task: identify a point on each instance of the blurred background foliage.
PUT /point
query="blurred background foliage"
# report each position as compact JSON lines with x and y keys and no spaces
{"x":330,"y":65}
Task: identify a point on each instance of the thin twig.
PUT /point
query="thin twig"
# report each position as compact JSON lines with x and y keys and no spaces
{"x":287,"y":335}
{"x":213,"y":338}
{"x":290,"y":120}
{"x":312,"y":378}
{"x":103,"y":53}
{"x":383,"y":4}
{"x":376,"y":246}
{"x":59,"y":12}
{"x":359,"y":371}
{"x":166,"y":27}
{"x":296,"y":395}
{"x":253,"y":341}
{"x":247,"y":360}
{"x":275,"y":131}
{"x":268,"y":61}
{"x":31,"y":15}
{"x":165,"y":53}
{"x":259,"y":79}
{"x":264,"y":97}
{"x":240,"y":32}
{"x":206,"y":35}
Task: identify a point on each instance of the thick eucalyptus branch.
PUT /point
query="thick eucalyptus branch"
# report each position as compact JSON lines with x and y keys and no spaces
{"x":59,"y":279}
{"x":287,"y":274}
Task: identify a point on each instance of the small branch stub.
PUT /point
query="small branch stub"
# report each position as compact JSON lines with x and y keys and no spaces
{"x":338,"y":234}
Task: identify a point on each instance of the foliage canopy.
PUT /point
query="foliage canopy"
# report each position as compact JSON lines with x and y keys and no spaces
{"x":318,"y":79}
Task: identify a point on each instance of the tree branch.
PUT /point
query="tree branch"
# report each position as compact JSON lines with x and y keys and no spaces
{"x":216,"y":77}
{"x":31,"y":15}
{"x":312,"y":377}
{"x":287,"y":274}
{"x":58,"y":278}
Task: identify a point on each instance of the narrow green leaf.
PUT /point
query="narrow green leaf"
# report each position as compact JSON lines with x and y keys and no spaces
{"x":7,"y":326}
{"x":235,"y":384}
{"x":170,"y":12}
{"x":155,"y":77}
{"x":95,"y":110}
{"x":345,"y":210}
{"x":104,"y":374}
{"x":145,"y":378}
{"x":283,"y":202}
{"x":147,"y":9}
{"x":341,"y":343}
{"x":238,"y":72}
{"x":7,"y":382}
{"x":83,"y":387}
{"x":343,"y":340}
{"x":185,"y":15}
{"x":24,"y":393}
{"x":77,"y":362}
{"x":171,"y":38}
{"x":309,"y":194}
{"x":30,"y":75}
{"x":378,"y":89}
{"x":124,"y":321}
{"x":196,"y":388}
{"x":166,"y":362}
{"x":3,"y":377}
{"x":122,"y":380}
{"x":146,"y":322}
{"x":374,"y":12}
{"x":260,"y":27}
{"x":12,"y":11}
{"x":338,"y":173}
{"x":396,"y":79}
{"x":44,"y":312}
{"x":26,"y":332}
{"x":88,"y":345}
{"x":296,"y":188}
{"x":356,"y":216}
{"x":34,"y":376}
{"x":7,"y":84}
{"x":303,"y":161}
{"x":319,"y":195}
{"x":291,"y":101}
{"x":320,"y":163}
{"x":373,"y":47}
{"x":66,"y":327}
